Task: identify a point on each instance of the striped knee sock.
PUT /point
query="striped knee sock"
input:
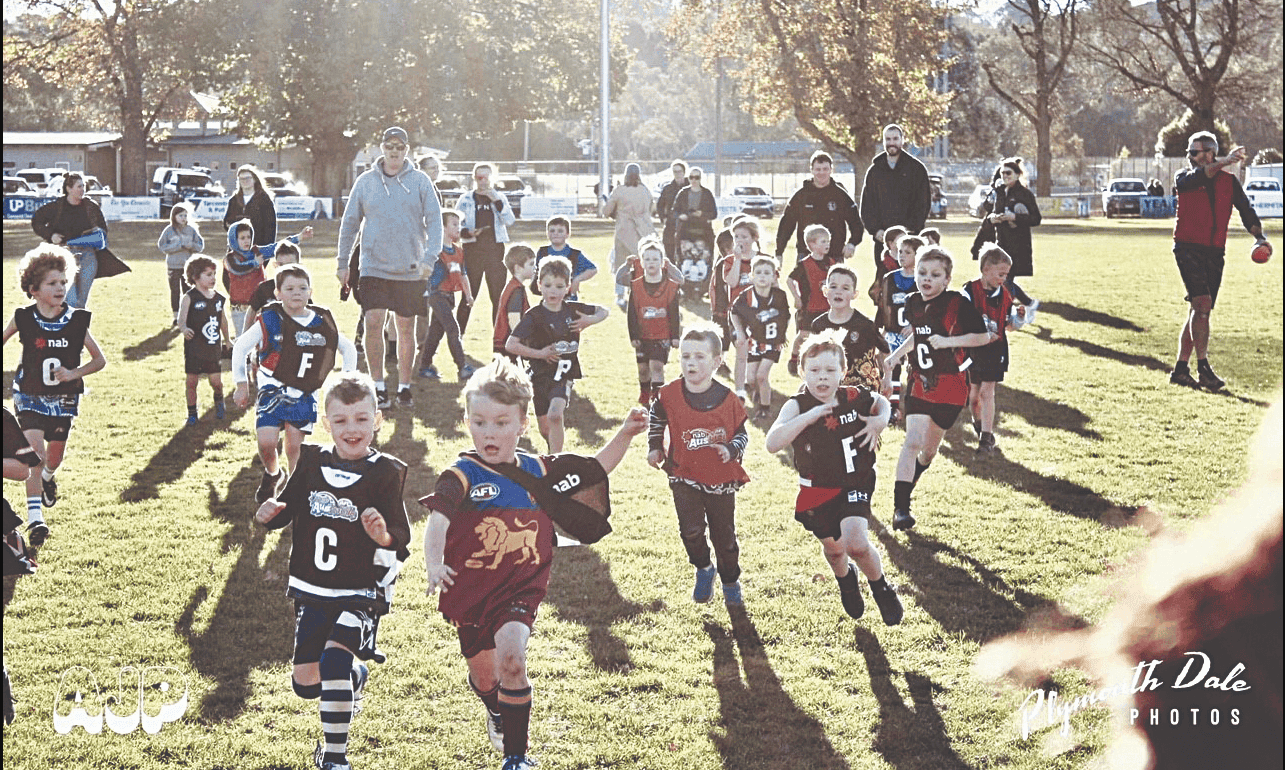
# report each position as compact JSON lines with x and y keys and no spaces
{"x":336,"y":702}
{"x":34,"y":511}
{"x":515,"y":705}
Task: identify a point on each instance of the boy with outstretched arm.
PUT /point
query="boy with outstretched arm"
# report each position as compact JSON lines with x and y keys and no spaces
{"x":297,"y":343}
{"x":806,"y":283}
{"x":941,"y":326}
{"x":519,"y":260}
{"x":990,"y":295}
{"x":348,"y":545}
{"x":834,"y":430}
{"x":489,"y":546}
{"x":243,"y":268}
{"x":50,"y":377}
{"x":760,"y":318}
{"x":652,"y":316}
{"x":549,"y":338}
{"x":558,"y":228}
{"x":204,"y":324}
{"x":697,"y":436}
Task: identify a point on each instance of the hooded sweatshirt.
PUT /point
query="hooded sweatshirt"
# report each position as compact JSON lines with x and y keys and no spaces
{"x":400,"y":221}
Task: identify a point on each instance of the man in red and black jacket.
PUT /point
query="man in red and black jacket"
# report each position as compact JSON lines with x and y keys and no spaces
{"x":1206,"y":194}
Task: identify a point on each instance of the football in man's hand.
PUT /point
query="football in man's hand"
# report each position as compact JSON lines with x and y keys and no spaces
{"x":1261,"y":253}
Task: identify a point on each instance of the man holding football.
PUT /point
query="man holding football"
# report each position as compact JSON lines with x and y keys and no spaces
{"x":1206,"y":193}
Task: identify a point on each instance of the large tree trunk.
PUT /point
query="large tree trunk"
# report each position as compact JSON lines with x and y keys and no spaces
{"x":1043,"y":147}
{"x":332,"y":155}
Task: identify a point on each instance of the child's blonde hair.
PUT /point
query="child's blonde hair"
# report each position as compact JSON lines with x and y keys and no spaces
{"x":828,"y":341}
{"x":502,"y":381}
{"x":936,"y":254}
{"x":993,"y":253}
{"x":517,"y":256}
{"x":41,"y":260}
{"x":197,"y":264}
{"x":812,"y":232}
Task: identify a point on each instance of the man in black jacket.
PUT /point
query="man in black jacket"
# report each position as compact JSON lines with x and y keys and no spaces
{"x":665,"y":203}
{"x":896,"y":191}
{"x":820,"y":201}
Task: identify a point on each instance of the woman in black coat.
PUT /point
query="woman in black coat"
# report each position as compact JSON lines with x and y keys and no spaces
{"x":63,"y":221}
{"x":1009,"y":224}
{"x":693,"y":214}
{"x":251,"y":201}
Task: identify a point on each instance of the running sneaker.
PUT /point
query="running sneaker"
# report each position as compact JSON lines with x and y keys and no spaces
{"x":48,"y":491}
{"x":495,"y":729}
{"x":732,"y":594}
{"x":704,"y":589}
{"x":902,"y":519}
{"x":465,"y":372}
{"x":267,"y":487}
{"x":889,"y":603}
{"x":404,"y":399}
{"x":517,"y":762}
{"x":853,"y":603}
{"x":359,"y":688}
{"x":1183,"y":377}
{"x":37,"y":533}
{"x":1030,"y":310}
{"x":381,"y":399}
{"x":430,"y":373}
{"x":1208,"y":379}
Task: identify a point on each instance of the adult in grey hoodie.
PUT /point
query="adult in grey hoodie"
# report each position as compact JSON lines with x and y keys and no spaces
{"x":394,"y":206}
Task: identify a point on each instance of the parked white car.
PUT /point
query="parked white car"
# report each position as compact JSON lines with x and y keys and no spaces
{"x":1264,"y":195}
{"x":94,"y":190}
{"x":19,"y":187}
{"x":1123,"y":196}
{"x":753,"y":200}
{"x":279,"y":184}
{"x":39,"y":178}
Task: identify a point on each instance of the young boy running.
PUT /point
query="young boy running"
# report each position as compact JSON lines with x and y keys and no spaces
{"x":488,"y":546}
{"x":806,"y":283}
{"x":297,"y":342}
{"x":348,"y":545}
{"x":834,"y":430}
{"x":50,"y":376}
{"x":652,"y":315}
{"x":864,"y":349}
{"x":204,"y":323}
{"x":549,"y":338}
{"x":760,"y":318}
{"x":243,"y":268}
{"x":897,"y":285}
{"x":941,"y":326}
{"x":697,"y":436}
{"x":514,"y":302}
{"x":993,"y":300}
{"x":449,"y":278}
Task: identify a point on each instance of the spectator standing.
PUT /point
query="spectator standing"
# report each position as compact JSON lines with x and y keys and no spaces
{"x":820,"y":201}
{"x":1016,"y":212}
{"x":665,"y":205}
{"x":253,"y":202}
{"x":630,"y":205}
{"x":692,"y":215}
{"x":485,"y":217}
{"x":65,"y":222}
{"x":895,"y":192}
{"x":394,"y":207}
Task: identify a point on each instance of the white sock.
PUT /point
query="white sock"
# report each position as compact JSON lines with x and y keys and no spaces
{"x":47,"y":474}
{"x":34,"y":512}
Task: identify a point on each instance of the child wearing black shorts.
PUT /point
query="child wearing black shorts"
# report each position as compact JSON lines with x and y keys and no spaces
{"x":941,"y":326}
{"x":204,"y":323}
{"x":834,"y":430}
{"x":652,"y":315}
{"x":995,"y":302}
{"x":760,"y":319}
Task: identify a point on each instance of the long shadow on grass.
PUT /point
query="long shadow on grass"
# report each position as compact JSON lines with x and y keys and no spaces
{"x":1100,"y":351}
{"x":1044,"y":413}
{"x":982,"y":606}
{"x":1088,"y":315}
{"x":582,"y":589}
{"x":157,"y":343}
{"x":172,"y":460}
{"x":420,"y":477}
{"x":763,"y":728}
{"x":438,"y":407}
{"x":1062,"y":495}
{"x":907,"y":738}
{"x":252,"y":624}
{"x":583,"y":417}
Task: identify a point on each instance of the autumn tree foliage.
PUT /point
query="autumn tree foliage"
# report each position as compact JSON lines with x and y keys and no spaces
{"x":841,"y":68}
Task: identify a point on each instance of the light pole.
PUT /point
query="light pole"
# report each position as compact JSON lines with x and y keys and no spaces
{"x":604,"y":93}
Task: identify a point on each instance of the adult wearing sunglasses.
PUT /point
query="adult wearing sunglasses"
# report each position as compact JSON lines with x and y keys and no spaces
{"x":693,"y":215}
{"x":1010,"y":213}
{"x":1206,"y":193}
{"x":394,"y":206}
{"x":485,"y":217}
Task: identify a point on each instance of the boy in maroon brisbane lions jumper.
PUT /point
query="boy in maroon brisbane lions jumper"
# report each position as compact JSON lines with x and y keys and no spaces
{"x":991,"y":297}
{"x":652,"y":316}
{"x":697,"y":436}
{"x":489,"y":546}
{"x":834,"y":430}
{"x":941,"y":326}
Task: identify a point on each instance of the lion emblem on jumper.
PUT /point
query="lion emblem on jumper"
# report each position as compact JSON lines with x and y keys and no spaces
{"x":498,"y":541}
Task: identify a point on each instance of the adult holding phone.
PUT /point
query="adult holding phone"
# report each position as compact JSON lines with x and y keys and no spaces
{"x":485,"y":217}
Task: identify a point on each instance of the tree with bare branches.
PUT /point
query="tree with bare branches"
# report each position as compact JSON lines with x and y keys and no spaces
{"x":1045,"y":31}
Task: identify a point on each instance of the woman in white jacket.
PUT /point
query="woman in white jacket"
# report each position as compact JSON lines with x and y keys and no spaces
{"x":485,"y":217}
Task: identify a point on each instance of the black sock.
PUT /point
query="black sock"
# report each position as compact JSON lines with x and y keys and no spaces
{"x":878,"y":585}
{"x":849,"y":580}
{"x":1203,"y":365}
{"x":919,"y":470}
{"x":901,"y":495}
{"x":516,"y":708}
{"x":489,"y":698}
{"x":191,"y":410}
{"x":1181,"y":368}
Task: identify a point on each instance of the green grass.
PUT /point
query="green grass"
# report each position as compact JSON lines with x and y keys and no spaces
{"x":154,"y":562}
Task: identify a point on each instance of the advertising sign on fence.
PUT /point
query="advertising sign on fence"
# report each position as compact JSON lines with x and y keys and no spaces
{"x":20,"y":206}
{"x":304,"y":207}
{"x":537,"y":207}
{"x":121,"y":207}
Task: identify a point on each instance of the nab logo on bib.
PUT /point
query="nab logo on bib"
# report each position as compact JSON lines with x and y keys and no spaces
{"x":567,"y":484}
{"x":483,"y":492}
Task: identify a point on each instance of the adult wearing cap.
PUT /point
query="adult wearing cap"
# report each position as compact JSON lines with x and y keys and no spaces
{"x":630,"y":205}
{"x":1206,"y":193}
{"x":896,"y":192}
{"x":394,"y":206}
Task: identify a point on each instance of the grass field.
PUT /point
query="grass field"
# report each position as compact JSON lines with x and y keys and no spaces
{"x":154,"y":562}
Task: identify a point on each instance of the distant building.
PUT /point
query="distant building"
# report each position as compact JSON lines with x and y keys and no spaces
{"x":89,"y":152}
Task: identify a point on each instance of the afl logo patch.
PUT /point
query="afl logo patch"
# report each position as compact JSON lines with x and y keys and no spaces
{"x":483,"y":492}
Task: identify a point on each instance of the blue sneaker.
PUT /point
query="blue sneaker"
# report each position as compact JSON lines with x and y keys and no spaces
{"x":517,"y":762}
{"x":732,"y":594}
{"x":191,"y":419}
{"x":704,"y":589}
{"x":465,"y":372}
{"x":430,"y":372}
{"x":220,"y":411}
